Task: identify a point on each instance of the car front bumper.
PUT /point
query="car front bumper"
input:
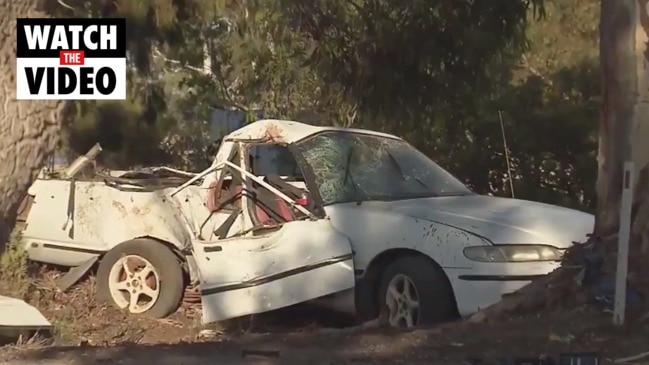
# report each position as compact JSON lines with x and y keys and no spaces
{"x":484,"y":284}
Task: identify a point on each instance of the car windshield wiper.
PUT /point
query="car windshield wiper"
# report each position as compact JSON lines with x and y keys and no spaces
{"x":397,"y":167}
{"x":348,"y":165}
{"x":348,"y":175}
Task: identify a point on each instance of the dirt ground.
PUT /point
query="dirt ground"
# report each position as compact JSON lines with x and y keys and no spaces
{"x":90,"y":333}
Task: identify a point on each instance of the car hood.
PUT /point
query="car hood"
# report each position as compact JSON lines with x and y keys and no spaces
{"x":500,"y":220}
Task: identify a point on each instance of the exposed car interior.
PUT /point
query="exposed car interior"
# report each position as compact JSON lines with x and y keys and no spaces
{"x":276,"y":165}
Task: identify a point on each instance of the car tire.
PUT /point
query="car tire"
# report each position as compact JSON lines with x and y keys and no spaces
{"x":147,"y":268}
{"x":432,"y":292}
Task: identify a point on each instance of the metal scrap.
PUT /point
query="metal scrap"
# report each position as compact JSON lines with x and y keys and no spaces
{"x":75,"y":274}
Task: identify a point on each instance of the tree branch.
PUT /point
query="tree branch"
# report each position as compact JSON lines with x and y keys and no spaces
{"x":526,"y":65}
{"x":159,"y":54}
{"x":65,"y":5}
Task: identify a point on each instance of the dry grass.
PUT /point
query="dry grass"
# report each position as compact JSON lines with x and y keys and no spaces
{"x":15,"y":280}
{"x":78,"y":318}
{"x":76,"y":315}
{"x":36,"y":285}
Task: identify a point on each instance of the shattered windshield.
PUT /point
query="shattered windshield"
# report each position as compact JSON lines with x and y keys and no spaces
{"x":358,"y":167}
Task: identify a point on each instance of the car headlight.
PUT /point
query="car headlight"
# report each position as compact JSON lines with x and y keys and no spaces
{"x":513,"y":253}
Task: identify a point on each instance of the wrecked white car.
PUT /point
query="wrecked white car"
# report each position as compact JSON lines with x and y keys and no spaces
{"x":289,"y":213}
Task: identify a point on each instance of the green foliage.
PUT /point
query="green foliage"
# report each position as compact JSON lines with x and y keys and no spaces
{"x":394,"y":56}
{"x":440,"y":74}
{"x":550,"y":129}
{"x":14,"y":270}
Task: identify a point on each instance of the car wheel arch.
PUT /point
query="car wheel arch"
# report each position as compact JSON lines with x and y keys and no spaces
{"x":162,"y":258}
{"x":181,"y":255}
{"x":368,"y":285}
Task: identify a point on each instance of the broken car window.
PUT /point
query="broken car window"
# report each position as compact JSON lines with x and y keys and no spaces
{"x":358,"y":167}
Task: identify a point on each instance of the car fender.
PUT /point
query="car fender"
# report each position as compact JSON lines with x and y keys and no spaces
{"x":374,"y":231}
{"x":99,"y":218}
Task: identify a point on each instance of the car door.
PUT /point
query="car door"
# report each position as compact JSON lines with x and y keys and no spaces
{"x":301,"y":261}
{"x":267,"y":267}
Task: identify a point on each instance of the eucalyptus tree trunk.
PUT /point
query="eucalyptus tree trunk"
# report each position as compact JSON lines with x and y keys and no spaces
{"x":29,"y":130}
{"x":624,"y":127}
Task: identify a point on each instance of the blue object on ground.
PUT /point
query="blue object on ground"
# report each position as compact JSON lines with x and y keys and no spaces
{"x":605,"y":293}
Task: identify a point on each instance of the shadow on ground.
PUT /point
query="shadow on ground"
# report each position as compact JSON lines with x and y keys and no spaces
{"x":582,"y":330}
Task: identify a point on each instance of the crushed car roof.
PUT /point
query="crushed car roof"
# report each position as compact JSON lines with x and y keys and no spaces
{"x":286,"y":131}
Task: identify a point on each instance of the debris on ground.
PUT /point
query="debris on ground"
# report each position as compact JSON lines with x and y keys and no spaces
{"x":95,"y":334}
{"x":557,"y":338}
{"x":636,"y":357}
{"x":91,"y":333}
{"x":19,"y":319}
{"x":585,"y":278}
{"x":590,"y":332}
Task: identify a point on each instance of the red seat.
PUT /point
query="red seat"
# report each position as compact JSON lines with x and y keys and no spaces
{"x":215,"y":201}
{"x":270,"y":209}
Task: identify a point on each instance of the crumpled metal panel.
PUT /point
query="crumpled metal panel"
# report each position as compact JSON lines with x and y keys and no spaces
{"x":16,"y":314}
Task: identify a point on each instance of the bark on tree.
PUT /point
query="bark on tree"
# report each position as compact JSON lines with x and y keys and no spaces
{"x":624,"y":127}
{"x":623,"y":136}
{"x":29,"y":130}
